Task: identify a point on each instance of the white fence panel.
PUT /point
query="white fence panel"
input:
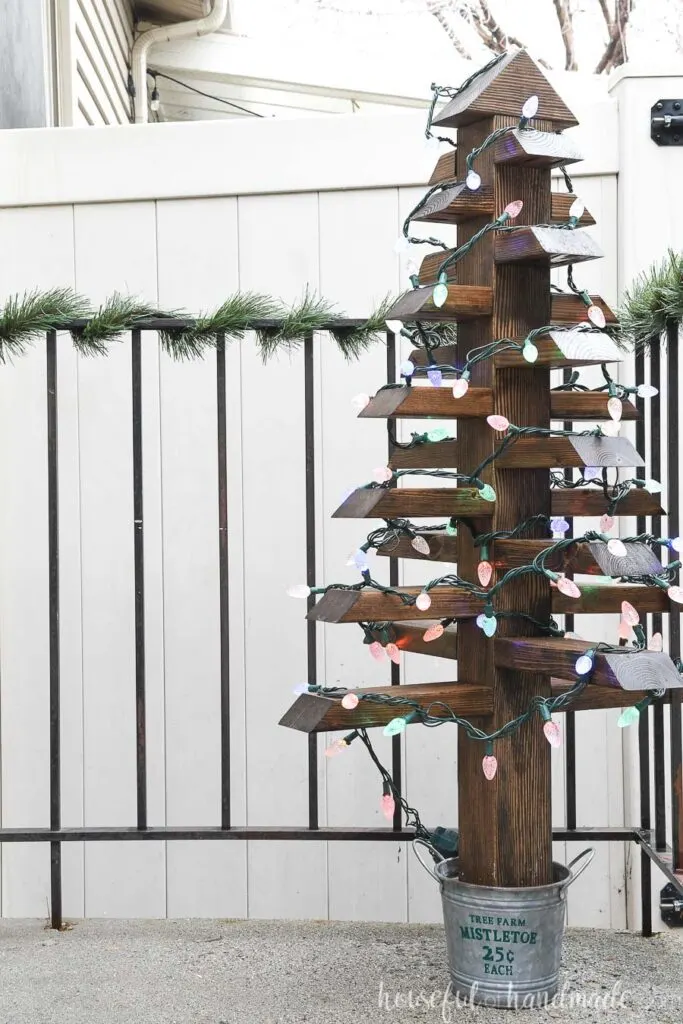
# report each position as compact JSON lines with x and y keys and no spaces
{"x":204,"y":238}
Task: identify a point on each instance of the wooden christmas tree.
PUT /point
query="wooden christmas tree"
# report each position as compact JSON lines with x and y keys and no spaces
{"x":495,"y":616}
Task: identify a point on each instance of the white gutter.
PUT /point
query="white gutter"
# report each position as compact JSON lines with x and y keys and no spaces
{"x":165,"y":33}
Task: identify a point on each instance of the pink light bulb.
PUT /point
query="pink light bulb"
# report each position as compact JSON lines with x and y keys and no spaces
{"x":676,"y":594}
{"x":394,"y":653}
{"x":624,"y":631}
{"x":388,"y":806}
{"x":656,"y":642}
{"x":460,"y":388}
{"x":552,"y":733}
{"x":596,"y":316}
{"x":489,"y":766}
{"x":423,"y":601}
{"x":376,"y":650}
{"x":484,"y":572}
{"x":514,"y":208}
{"x":629,"y":613}
{"x":606,"y":523}
{"x":433,"y":632}
{"x":350,"y":701}
{"x":338,"y":747}
{"x":499,"y":423}
{"x":382,"y":474}
{"x":568,"y":587}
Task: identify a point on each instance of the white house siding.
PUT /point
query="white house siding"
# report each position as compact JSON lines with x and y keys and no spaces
{"x":102,"y":41}
{"x":133,"y":218}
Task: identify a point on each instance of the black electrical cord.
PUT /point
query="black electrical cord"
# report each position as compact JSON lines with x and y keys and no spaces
{"x":207,"y":95}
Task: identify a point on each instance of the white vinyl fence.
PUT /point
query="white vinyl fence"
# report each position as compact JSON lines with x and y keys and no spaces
{"x":184,"y":215}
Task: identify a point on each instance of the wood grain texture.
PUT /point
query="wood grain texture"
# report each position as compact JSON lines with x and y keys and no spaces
{"x":592,"y":558}
{"x":375,"y":606}
{"x":432,"y":455}
{"x":442,"y":548}
{"x":445,"y":167}
{"x":598,"y":600}
{"x":519,"y":817}
{"x":585,"y":502}
{"x":388,"y":503}
{"x":568,"y":452}
{"x":434,"y":403}
{"x":463,"y":303}
{"x":585,"y":405}
{"x":567,"y":348}
{"x":409,"y":637}
{"x":568,"y":308}
{"x":455,"y":602}
{"x":313,"y":712}
{"x":553,"y":246}
{"x":643,"y":671}
{"x":421,"y":402}
{"x":526,"y":453}
{"x":530,"y":148}
{"x":453,"y":206}
{"x":498,"y":91}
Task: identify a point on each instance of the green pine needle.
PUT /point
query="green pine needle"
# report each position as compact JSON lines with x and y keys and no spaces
{"x":118,"y":314}
{"x":309,"y":316}
{"x":353,"y":341}
{"x":26,"y":317}
{"x":232,"y":319}
{"x":654,"y":300}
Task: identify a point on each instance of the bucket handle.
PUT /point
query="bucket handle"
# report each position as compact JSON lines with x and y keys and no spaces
{"x":588,"y":853}
{"x":418,"y":846}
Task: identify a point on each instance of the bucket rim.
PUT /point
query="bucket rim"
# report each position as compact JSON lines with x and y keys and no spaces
{"x":561,"y":869}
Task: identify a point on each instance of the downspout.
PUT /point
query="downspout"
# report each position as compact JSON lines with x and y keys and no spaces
{"x":164,"y":33}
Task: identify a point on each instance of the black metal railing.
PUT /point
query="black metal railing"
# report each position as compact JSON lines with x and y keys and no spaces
{"x":652,"y":842}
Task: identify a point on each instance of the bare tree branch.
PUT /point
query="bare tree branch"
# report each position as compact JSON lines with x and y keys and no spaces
{"x":435,"y":8}
{"x":566,"y":21}
{"x":615,"y":51}
{"x":604,"y":7}
{"x":489,"y":30}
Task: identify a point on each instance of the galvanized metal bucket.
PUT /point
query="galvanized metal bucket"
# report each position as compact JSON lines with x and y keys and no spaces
{"x":504,"y":944}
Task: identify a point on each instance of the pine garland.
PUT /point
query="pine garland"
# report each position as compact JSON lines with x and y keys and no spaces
{"x":24,"y":318}
{"x":654,"y":300}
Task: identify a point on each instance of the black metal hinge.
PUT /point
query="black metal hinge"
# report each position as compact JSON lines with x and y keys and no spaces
{"x":666,"y":123}
{"x":671,"y":906}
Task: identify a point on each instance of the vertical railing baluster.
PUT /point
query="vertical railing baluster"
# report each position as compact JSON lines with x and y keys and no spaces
{"x":223,"y":581}
{"x":644,"y":721}
{"x":139,"y":571}
{"x":570,"y":717}
{"x":655,"y":471}
{"x":311,"y":634}
{"x":396,"y":769}
{"x":54,"y":646}
{"x":673,"y":511}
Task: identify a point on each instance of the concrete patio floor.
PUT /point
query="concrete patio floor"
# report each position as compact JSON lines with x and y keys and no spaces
{"x":261,"y":972}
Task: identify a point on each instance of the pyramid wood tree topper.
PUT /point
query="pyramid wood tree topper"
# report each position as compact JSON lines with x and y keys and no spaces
{"x":498,"y":292}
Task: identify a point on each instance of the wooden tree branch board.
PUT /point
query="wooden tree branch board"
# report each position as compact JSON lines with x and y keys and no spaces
{"x":529,"y":148}
{"x":539,"y":244}
{"x":312,"y":713}
{"x":439,"y":403}
{"x":463,"y":303}
{"x":455,"y":204}
{"x":590,"y":558}
{"x":567,"y":348}
{"x":644,"y":670}
{"x":464,"y":502}
{"x":526,"y":453}
{"x":497,"y":91}
{"x":457,"y":603}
